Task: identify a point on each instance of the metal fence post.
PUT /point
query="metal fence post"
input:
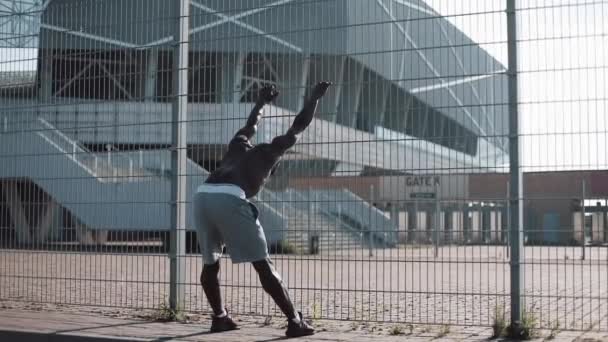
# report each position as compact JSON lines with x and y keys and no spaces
{"x":583,"y":223}
{"x":508,"y":218}
{"x":371,"y":228}
{"x":516,"y":186}
{"x":178,"y":155}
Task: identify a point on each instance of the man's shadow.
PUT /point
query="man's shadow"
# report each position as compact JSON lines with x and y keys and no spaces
{"x":169,"y":338}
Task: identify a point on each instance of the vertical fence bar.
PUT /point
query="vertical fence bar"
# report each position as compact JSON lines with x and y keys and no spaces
{"x":516,"y":186}
{"x":178,"y":156}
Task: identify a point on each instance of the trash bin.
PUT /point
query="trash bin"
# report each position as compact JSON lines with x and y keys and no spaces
{"x":313,"y":244}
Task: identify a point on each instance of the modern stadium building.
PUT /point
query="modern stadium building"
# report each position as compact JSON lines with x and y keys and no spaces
{"x":416,"y":109}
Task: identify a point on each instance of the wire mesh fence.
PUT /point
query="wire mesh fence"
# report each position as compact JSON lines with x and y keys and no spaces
{"x":401,"y":201}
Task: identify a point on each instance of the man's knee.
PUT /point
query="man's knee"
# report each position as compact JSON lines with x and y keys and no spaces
{"x":260,"y":265}
{"x":209,"y":274}
{"x":266,"y":271}
{"x":263,"y":267}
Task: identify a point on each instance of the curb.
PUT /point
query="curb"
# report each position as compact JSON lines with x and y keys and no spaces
{"x":33,"y":336}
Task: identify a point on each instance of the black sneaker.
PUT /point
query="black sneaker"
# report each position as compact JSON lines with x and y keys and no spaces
{"x":221,"y":324}
{"x":299,"y":329}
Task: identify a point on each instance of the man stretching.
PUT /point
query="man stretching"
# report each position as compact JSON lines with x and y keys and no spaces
{"x":224,"y":216}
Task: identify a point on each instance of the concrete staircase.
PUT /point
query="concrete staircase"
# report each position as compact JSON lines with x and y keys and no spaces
{"x":127,"y":191}
{"x":305,"y":221}
{"x":355,"y":213}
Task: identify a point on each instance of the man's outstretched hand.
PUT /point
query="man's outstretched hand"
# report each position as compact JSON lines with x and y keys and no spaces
{"x":268,"y":94}
{"x":320,"y":90}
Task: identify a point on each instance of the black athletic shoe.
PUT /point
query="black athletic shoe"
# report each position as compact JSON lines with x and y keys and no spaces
{"x":221,"y":324}
{"x":299,"y":329}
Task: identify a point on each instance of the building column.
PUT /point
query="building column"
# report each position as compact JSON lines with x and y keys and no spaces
{"x":605,"y":228}
{"x":578,"y":224}
{"x":495,"y":226}
{"x":295,"y":82}
{"x":475,"y":234}
{"x":403,"y":226}
{"x":466,"y":223}
{"x":46,"y":75}
{"x":412,"y":224}
{"x":504,"y":225}
{"x":47,"y":222}
{"x":423,"y":225}
{"x":448,"y":226}
{"x":351,"y":94}
{"x":304,"y":73}
{"x":338,"y":91}
{"x":438,"y":226}
{"x":598,"y":227}
{"x":151,"y":74}
{"x":332,"y":68}
{"x":486,"y":224}
{"x":457,"y":226}
{"x":372,"y":104}
{"x":17,"y":212}
{"x":231,"y":74}
{"x":383,"y":98}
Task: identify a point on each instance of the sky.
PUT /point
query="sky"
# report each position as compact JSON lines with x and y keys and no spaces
{"x":18,"y":59}
{"x":563,"y":73}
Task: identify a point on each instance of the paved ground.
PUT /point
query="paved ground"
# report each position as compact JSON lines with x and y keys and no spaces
{"x":462,"y":286}
{"x":28,"y":325}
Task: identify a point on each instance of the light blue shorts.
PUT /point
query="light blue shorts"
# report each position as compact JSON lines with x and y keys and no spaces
{"x":223,"y":218}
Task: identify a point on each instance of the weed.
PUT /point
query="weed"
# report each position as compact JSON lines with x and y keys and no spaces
{"x":316,"y":311}
{"x":529,"y":323}
{"x":443,"y":331}
{"x":396,"y":330}
{"x":164,"y":313}
{"x":554,"y":329}
{"x":591,"y":326}
{"x":499,"y":322}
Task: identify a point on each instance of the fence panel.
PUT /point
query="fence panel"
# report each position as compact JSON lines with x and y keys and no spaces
{"x":395,"y":204}
{"x":562,"y":73}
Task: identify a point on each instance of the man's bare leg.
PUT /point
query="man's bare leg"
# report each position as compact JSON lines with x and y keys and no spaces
{"x":274,"y":286}
{"x":211,"y":285}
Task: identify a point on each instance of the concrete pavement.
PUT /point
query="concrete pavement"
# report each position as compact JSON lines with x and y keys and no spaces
{"x":52,"y":326}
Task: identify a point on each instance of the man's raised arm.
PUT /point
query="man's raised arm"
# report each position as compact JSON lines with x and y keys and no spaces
{"x":267,"y":95}
{"x":302,"y":120}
